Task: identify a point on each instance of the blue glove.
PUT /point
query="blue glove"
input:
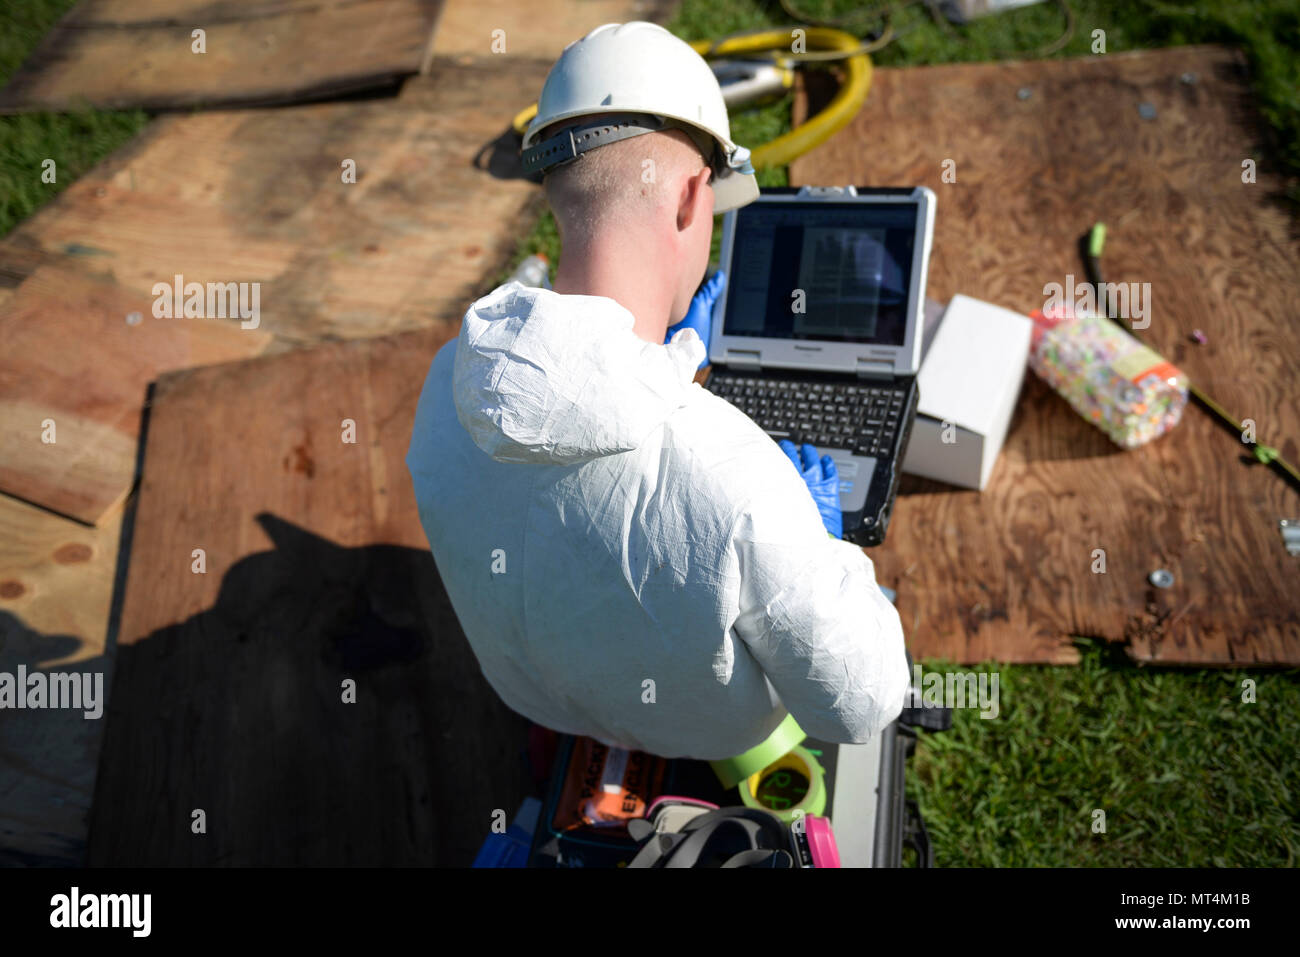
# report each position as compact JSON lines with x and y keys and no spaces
{"x":699,"y":315}
{"x":823,"y":481}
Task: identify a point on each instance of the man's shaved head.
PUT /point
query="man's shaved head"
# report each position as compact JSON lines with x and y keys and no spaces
{"x":608,"y":185}
{"x":635,"y":219}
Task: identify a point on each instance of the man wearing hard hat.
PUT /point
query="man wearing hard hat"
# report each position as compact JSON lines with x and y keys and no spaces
{"x":631,"y":557}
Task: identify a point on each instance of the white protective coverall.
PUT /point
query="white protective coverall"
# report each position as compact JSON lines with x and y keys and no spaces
{"x":630,"y":556}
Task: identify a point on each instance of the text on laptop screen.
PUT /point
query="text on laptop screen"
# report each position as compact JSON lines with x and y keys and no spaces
{"x":829,"y":271}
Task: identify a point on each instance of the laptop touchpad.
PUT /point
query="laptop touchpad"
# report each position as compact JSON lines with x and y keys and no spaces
{"x":855,"y":479}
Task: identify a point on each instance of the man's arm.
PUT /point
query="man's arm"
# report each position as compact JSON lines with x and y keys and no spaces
{"x":814,"y":618}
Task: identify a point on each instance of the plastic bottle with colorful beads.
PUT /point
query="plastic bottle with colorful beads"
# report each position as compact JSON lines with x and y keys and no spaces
{"x":1126,"y":389}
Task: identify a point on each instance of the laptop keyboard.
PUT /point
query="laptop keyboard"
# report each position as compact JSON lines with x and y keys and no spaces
{"x":863,"y":419}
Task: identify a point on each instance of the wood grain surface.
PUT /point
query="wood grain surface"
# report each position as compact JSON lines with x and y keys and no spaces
{"x":73,"y":379}
{"x":229,"y":684}
{"x":56,"y":589}
{"x":538,"y":29}
{"x":259,"y":196}
{"x":1041,"y":151}
{"x":226,"y":197}
{"x":122,"y":54}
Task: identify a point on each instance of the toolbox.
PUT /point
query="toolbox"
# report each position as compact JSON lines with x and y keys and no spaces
{"x":593,"y":788}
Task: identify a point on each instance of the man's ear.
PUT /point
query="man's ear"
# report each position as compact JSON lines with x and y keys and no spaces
{"x":696,"y":199}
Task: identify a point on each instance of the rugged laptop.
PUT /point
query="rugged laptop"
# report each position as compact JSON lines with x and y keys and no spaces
{"x":817,"y":335}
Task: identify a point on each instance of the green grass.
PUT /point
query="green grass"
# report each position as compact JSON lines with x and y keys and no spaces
{"x":1186,"y":773}
{"x":75,"y":141}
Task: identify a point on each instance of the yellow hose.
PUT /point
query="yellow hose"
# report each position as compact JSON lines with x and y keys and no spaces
{"x":837,"y":114}
{"x":817,"y":129}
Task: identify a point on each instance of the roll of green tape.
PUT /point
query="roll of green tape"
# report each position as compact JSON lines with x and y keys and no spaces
{"x":732,"y":771}
{"x":775,"y":788}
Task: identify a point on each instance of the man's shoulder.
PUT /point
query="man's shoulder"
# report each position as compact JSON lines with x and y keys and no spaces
{"x":733,"y":456}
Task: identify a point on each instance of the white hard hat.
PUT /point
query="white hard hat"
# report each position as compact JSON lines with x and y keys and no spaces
{"x":652,"y":80}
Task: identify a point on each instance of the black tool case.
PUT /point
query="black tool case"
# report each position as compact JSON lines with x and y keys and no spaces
{"x":866,"y":801}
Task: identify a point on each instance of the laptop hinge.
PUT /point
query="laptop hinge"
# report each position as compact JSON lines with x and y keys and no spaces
{"x":743,"y":359}
{"x":875,"y":369}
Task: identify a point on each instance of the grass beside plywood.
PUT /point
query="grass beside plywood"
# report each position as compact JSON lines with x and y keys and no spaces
{"x":1184,"y":768}
{"x":73,"y":141}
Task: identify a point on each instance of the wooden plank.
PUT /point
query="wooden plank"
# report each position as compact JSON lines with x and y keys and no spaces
{"x":227,"y":695}
{"x":538,"y":29}
{"x":1007,"y":574}
{"x":16,"y":266}
{"x":260,"y":197}
{"x":56,"y":586}
{"x":123,"y":54}
{"x":79,"y":355}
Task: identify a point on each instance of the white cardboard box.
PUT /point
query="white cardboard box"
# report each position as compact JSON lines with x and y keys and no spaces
{"x":969,"y":381}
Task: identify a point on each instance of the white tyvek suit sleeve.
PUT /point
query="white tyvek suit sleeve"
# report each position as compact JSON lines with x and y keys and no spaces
{"x":814,"y":618}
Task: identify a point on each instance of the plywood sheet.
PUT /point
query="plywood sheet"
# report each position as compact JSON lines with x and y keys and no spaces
{"x":263,"y":197}
{"x":538,"y":29}
{"x":56,"y":588}
{"x":229,"y":689}
{"x":79,"y":355}
{"x":1040,"y":151}
{"x":121,"y":54}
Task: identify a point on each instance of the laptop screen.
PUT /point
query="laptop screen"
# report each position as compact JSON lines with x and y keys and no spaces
{"x":836,"y":272}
